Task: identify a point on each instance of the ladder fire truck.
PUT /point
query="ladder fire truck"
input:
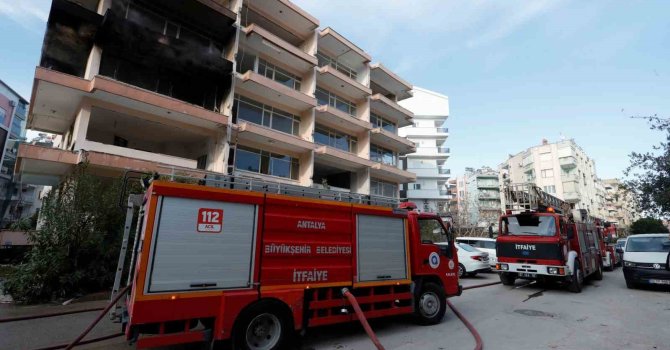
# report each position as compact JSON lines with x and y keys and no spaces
{"x":254,"y":261}
{"x":544,"y":238}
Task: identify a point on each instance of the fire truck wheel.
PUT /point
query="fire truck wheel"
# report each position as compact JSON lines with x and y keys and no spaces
{"x":507,"y":278}
{"x":461,"y":271}
{"x":577,"y":279}
{"x":431,"y":304}
{"x":262,"y":326}
{"x":598,"y":275}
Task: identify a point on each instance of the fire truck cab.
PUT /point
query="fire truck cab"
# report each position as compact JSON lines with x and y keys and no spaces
{"x":543,"y":243}
{"x":255,"y":262}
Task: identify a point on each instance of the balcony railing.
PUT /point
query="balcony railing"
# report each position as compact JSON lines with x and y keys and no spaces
{"x":489,"y":196}
{"x":443,"y":130}
{"x":568,"y":162}
{"x":444,"y":171}
{"x":444,"y":192}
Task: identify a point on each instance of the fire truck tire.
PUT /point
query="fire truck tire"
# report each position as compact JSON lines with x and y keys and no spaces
{"x":264,"y":325}
{"x":507,"y":278}
{"x":612,"y":264}
{"x":598,"y":275}
{"x":461,"y":271}
{"x":577,"y":279}
{"x":431,"y":304}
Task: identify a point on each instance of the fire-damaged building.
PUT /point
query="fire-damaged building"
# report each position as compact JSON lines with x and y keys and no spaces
{"x":245,"y":87}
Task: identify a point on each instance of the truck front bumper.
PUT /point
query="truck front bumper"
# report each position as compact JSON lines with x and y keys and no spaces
{"x":531,"y":270}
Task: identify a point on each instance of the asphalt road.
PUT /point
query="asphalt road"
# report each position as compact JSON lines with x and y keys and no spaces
{"x":606,"y":315}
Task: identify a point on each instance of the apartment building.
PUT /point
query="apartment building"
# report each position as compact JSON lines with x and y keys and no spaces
{"x":17,"y":200}
{"x":619,"y":204}
{"x":562,"y":169}
{"x":478,"y":197}
{"x":243,"y":87}
{"x":429,"y":133}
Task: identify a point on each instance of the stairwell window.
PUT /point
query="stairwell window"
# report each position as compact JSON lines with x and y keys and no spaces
{"x":268,"y":163}
{"x":261,"y":114}
{"x":546,"y":173}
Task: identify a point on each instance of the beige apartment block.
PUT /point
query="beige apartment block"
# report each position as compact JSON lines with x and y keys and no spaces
{"x":244,"y":87}
{"x":562,"y":169}
{"x":619,"y":204}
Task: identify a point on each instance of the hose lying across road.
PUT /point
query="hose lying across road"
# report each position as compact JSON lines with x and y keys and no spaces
{"x":361,"y":317}
{"x":479,"y":345}
{"x":350,"y":297}
{"x":32,"y":317}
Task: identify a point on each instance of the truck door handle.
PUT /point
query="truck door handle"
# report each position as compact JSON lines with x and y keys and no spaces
{"x":203,"y":285}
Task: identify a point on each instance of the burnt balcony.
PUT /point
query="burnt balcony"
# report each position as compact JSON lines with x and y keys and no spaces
{"x":69,"y":37}
{"x":179,"y":62}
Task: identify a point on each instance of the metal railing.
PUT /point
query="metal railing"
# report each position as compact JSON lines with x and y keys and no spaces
{"x":247,"y":183}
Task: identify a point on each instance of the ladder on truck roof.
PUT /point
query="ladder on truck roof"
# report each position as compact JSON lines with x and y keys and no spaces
{"x":248,"y":183}
{"x":528,"y":196}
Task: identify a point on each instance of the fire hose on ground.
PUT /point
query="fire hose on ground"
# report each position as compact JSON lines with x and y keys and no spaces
{"x":479,"y":345}
{"x":78,"y":340}
{"x":345,"y":292}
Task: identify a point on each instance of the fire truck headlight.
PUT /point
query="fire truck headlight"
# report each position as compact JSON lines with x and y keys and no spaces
{"x":503,"y":267}
{"x":552,"y":270}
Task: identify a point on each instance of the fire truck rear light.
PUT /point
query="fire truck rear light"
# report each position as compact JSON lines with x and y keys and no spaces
{"x":173,"y":297}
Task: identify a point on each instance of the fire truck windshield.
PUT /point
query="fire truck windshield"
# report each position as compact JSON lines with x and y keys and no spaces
{"x":530,"y":225}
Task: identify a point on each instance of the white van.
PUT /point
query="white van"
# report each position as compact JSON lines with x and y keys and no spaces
{"x":484,"y":244}
{"x":645,"y":259}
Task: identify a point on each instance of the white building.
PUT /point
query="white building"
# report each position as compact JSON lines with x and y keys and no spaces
{"x":479,"y":197}
{"x":430,"y":190}
{"x":620,"y":206}
{"x":562,"y":169}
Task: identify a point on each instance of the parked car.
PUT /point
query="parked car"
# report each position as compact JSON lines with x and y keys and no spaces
{"x":484,"y":244}
{"x":645,"y":260}
{"x":471,"y":260}
{"x":620,"y":246}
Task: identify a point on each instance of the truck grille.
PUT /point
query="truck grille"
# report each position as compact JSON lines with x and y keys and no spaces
{"x":528,"y":252}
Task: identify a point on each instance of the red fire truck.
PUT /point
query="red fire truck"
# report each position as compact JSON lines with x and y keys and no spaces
{"x":609,"y":237}
{"x":253,"y":261}
{"x":542,"y":238}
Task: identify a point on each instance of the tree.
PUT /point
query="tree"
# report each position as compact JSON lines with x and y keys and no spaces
{"x":650,"y":173}
{"x":76,"y":248}
{"x":647,"y":225}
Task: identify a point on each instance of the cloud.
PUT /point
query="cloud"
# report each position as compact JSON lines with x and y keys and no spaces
{"x":513,"y":18}
{"x":31,"y":14}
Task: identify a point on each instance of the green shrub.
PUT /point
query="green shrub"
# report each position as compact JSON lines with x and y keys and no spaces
{"x":76,"y":249}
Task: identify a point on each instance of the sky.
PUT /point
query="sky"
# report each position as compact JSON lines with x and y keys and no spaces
{"x":515,"y":71}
